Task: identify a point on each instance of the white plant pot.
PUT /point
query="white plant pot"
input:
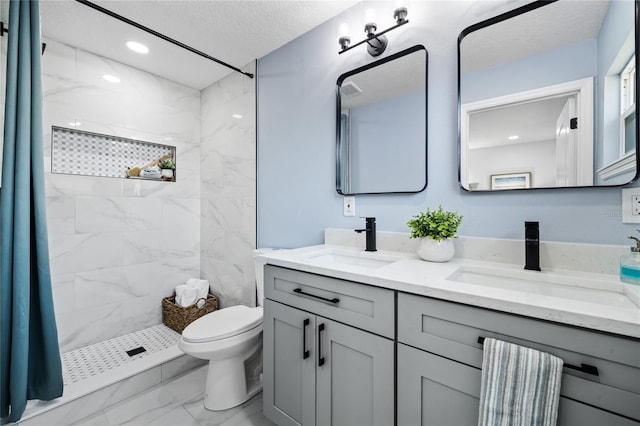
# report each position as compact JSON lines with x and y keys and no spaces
{"x":167,"y":173}
{"x":436,"y":251}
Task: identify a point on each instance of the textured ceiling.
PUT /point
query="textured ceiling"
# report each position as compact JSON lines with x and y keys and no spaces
{"x":236,"y":32}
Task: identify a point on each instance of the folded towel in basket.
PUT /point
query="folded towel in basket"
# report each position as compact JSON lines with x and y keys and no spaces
{"x":190,"y":292}
{"x":520,"y":386}
{"x":201,"y":285}
{"x":186,"y":296}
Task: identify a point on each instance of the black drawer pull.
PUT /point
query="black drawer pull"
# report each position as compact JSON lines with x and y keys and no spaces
{"x":583,"y":368}
{"x":299,"y":291}
{"x":305,"y":351}
{"x":320,"y":357}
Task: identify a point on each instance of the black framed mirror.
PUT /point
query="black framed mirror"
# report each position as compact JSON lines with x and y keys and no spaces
{"x":547,"y":97}
{"x":381,"y":125}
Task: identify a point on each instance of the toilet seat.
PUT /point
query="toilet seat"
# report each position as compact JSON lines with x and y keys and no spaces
{"x":222,"y":324}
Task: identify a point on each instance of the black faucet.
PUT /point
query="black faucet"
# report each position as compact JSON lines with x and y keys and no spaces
{"x":370,"y":229}
{"x":532,"y":246}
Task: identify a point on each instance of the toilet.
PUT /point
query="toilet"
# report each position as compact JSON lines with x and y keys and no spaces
{"x":228,"y":338}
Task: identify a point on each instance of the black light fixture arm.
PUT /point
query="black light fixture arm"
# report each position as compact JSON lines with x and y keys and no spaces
{"x":160,"y":35}
{"x":368,"y":39}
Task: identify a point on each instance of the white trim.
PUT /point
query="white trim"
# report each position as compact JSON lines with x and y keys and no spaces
{"x":622,"y":165}
{"x":583,"y":88}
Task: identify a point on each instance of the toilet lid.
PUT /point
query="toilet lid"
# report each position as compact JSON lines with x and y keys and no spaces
{"x":222,"y":323}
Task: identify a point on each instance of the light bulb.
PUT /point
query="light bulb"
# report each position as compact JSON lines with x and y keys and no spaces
{"x":370,"y":15}
{"x":343,"y":36}
{"x":343,"y":30}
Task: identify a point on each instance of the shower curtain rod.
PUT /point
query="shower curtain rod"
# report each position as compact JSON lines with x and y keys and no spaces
{"x":160,"y":35}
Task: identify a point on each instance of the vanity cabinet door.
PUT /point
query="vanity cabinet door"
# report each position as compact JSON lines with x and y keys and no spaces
{"x":289,"y":375}
{"x":433,"y":390}
{"x":354,"y":376}
{"x":319,"y":371}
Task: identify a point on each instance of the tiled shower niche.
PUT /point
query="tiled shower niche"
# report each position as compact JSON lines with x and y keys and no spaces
{"x":78,"y":152}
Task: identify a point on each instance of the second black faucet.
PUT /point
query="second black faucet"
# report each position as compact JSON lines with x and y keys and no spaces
{"x":370,"y":229}
{"x":532,"y":246}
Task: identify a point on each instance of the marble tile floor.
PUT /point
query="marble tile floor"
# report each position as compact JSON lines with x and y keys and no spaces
{"x":178,"y":402}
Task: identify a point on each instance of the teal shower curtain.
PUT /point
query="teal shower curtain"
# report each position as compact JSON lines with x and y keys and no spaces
{"x":30,"y":365}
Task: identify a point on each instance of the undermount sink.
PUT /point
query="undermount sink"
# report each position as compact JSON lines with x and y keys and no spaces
{"x":553,"y":284}
{"x":361,"y":259}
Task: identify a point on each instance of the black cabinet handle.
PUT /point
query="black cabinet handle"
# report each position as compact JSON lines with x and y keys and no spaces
{"x":583,"y":368}
{"x":299,"y":291}
{"x":305,"y":351}
{"x":320,"y":357}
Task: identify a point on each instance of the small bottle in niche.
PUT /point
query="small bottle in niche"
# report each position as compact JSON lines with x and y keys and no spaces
{"x":630,"y":264}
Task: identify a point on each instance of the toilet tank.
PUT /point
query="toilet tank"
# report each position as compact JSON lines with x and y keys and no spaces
{"x":259,"y":265}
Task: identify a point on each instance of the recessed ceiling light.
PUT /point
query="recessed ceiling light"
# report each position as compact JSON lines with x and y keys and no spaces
{"x":137,"y":47}
{"x":514,"y":137}
{"x":75,"y":123}
{"x":236,"y":115}
{"x":111,"y":78}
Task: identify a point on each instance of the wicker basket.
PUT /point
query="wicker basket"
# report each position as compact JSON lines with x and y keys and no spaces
{"x":177,"y":318}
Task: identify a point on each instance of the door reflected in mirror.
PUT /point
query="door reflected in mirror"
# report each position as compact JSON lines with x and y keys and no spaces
{"x":381,"y":144}
{"x":548,"y":91}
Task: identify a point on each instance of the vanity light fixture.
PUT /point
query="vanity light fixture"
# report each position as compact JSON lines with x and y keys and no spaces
{"x":137,"y":47}
{"x":376,"y":42}
{"x":514,"y":137}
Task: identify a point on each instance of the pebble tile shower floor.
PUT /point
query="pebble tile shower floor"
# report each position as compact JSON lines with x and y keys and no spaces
{"x":95,"y":359}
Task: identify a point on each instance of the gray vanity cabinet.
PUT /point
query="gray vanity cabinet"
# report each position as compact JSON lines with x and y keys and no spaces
{"x":318,"y":367}
{"x":439,"y":362}
{"x":329,"y":357}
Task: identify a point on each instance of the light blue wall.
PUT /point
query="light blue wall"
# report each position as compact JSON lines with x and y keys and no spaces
{"x":381,"y":135}
{"x":296,"y":146}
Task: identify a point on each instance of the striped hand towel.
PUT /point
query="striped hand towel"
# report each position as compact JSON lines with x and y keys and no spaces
{"x":520,"y":386}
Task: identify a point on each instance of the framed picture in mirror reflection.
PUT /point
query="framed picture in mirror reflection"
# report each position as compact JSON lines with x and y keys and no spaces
{"x":511,"y":181}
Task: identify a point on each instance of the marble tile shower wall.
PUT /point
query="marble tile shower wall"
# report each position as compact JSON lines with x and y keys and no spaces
{"x":118,"y":246}
{"x":228,"y":190}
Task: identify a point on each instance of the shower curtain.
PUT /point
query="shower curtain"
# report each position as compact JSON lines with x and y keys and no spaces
{"x":30,"y":365}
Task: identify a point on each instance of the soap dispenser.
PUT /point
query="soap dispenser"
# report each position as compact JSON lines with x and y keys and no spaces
{"x":630,"y":264}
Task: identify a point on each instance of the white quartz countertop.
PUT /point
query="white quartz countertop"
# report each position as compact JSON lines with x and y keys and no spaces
{"x":406,"y":272}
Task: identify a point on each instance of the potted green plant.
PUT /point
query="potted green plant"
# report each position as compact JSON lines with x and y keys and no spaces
{"x":436,"y":230}
{"x":166,"y":168}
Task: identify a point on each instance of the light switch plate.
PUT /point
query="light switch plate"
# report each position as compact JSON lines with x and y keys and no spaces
{"x":631,"y":205}
{"x":349,"y":206}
